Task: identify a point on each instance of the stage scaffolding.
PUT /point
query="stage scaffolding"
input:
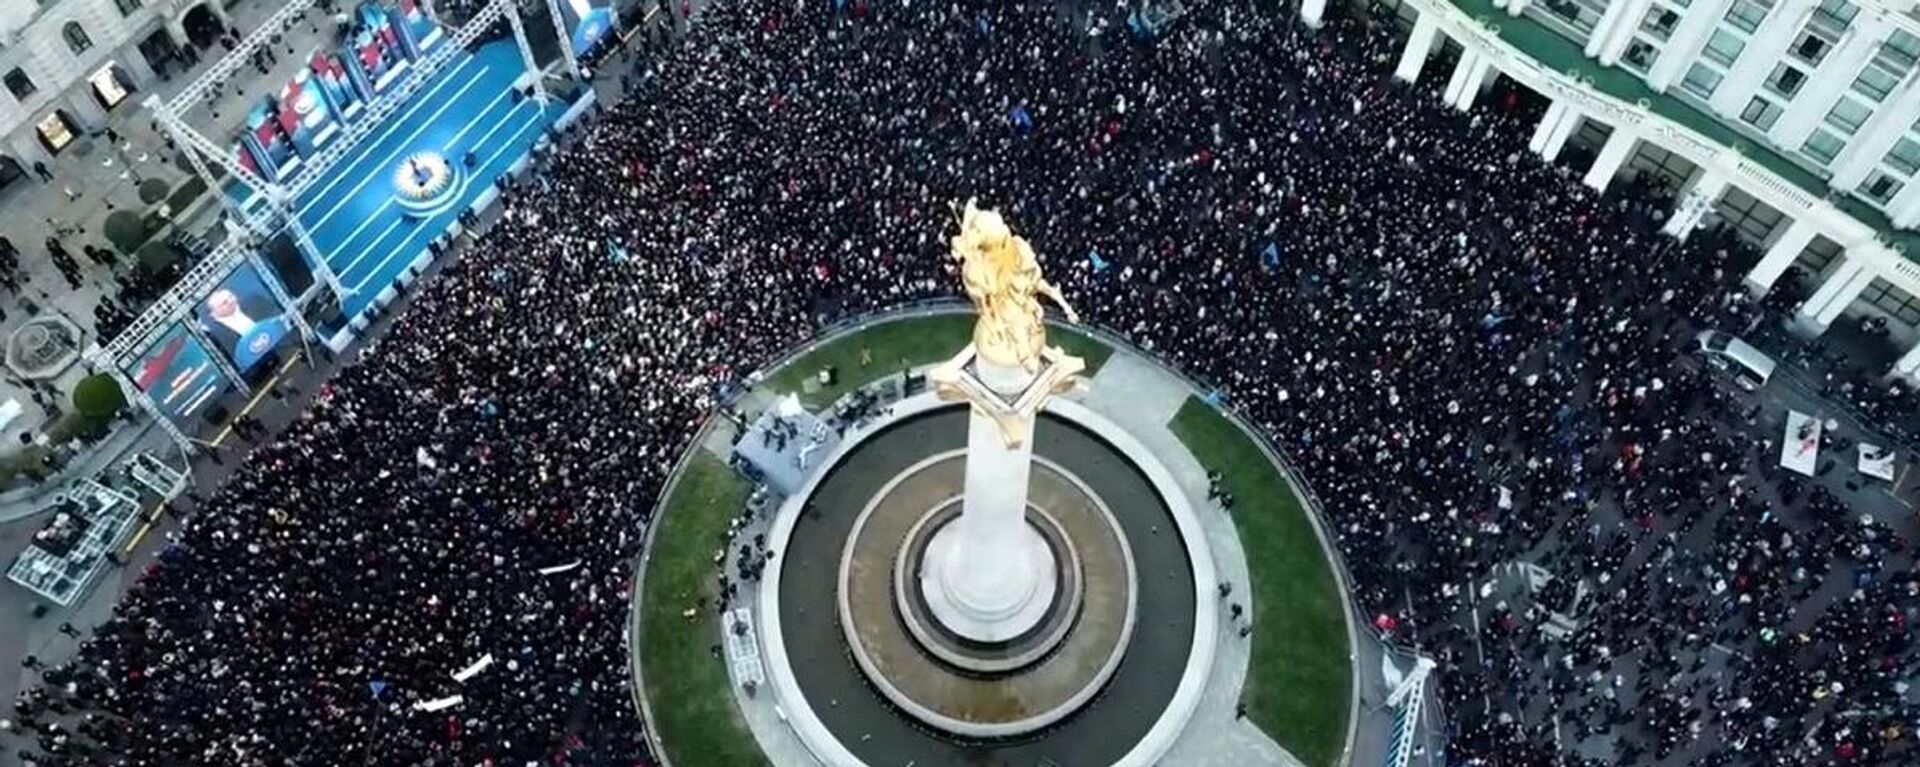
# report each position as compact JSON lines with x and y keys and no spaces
{"x":269,"y":206}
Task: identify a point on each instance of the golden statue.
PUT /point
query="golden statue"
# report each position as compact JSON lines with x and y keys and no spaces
{"x":1010,"y":336}
{"x":1003,"y":279}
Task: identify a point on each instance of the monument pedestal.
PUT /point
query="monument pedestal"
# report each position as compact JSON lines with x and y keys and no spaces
{"x":990,"y":576}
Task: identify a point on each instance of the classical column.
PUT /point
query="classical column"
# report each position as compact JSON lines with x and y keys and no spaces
{"x":1551,"y":135}
{"x":1833,"y":296}
{"x":1764,"y":50}
{"x":1695,"y":203}
{"x":1413,"y":58}
{"x":1780,"y":255}
{"x":1618,"y":148}
{"x":1313,"y":12}
{"x":1888,"y":124}
{"x":1475,"y":81}
{"x":1904,"y":208}
{"x":1908,"y":366}
{"x":1826,"y":84}
{"x":1684,"y":44}
{"x":1620,"y":35}
{"x":1468,"y":75}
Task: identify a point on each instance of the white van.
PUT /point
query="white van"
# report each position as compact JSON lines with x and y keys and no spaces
{"x":1749,"y":367}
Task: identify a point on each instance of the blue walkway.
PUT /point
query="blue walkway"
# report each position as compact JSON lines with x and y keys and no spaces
{"x":467,"y":107}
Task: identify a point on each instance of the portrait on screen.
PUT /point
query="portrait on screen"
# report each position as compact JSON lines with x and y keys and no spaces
{"x":243,"y":319}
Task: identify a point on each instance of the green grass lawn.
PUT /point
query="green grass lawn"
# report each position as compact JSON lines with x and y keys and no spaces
{"x":910,"y":343}
{"x":1299,"y":688}
{"x":687,"y":686}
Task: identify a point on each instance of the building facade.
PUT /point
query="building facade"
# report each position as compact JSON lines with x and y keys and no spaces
{"x":1795,"y":122}
{"x":68,"y":65}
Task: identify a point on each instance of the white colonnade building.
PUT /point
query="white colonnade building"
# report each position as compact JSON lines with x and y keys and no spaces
{"x":1797,"y":122}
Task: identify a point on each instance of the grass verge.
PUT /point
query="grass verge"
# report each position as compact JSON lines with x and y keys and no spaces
{"x":912,"y":342}
{"x":1299,"y":686}
{"x":687,"y":686}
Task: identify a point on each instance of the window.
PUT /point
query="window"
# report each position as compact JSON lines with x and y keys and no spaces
{"x":1834,"y":15}
{"x":1874,"y":83}
{"x":1701,"y":80}
{"x":1900,"y":50}
{"x":1786,"y":80}
{"x":1823,"y":146}
{"x":1905,"y":156}
{"x":1760,"y":113}
{"x":19,"y":84}
{"x":1811,"y":48}
{"x":1723,"y":48}
{"x":1659,"y":23}
{"x":77,"y":39}
{"x":127,"y":7}
{"x":1640,"y":56}
{"x":1882,"y":295}
{"x":1881,"y":187}
{"x":1847,"y":115}
{"x":1745,"y":15}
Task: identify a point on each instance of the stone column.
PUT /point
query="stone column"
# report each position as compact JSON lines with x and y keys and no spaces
{"x":1833,"y":296}
{"x":1619,"y":147}
{"x":1413,"y":58}
{"x":1780,"y":255}
{"x":1764,"y":50}
{"x":1313,"y":13}
{"x":1695,"y":203}
{"x":1469,"y":76}
{"x":1825,"y":85}
{"x":1620,"y":35}
{"x":989,"y":576}
{"x":1904,"y":208}
{"x":1888,"y":124}
{"x":1908,"y":366}
{"x":1551,"y":135}
{"x":1683,"y":46}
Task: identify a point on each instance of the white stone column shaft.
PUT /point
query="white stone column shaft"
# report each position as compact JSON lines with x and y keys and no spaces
{"x":1313,"y":12}
{"x":1621,"y":35}
{"x":991,"y":569}
{"x":1683,"y":45}
{"x":1904,"y":208}
{"x":1413,"y":58}
{"x":1888,"y":124}
{"x":1464,"y":84}
{"x":1549,"y":122}
{"x":1614,"y":154}
{"x":1833,"y":296}
{"x":1825,"y":86}
{"x":1764,"y":49}
{"x":1695,"y":203}
{"x":1780,"y":255}
{"x":1908,"y":365}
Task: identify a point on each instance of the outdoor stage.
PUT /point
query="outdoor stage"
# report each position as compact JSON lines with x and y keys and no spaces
{"x":353,"y":212}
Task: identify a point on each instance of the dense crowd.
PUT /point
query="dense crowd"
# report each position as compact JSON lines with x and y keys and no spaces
{"x":1472,"y":358}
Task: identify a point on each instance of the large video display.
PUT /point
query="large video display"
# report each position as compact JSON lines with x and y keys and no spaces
{"x":243,"y":319}
{"x":178,"y":375}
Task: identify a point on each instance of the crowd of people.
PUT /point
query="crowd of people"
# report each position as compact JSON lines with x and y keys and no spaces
{"x":1473,"y":360}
